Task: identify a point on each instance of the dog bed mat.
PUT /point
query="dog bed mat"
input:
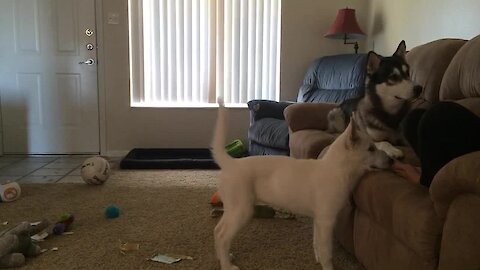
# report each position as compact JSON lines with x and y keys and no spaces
{"x":168,"y":158}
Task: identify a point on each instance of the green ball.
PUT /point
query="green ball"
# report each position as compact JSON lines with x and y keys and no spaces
{"x":112,"y":211}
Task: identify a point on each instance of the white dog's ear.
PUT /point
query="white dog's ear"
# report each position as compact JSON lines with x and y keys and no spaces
{"x":353,"y":119}
{"x":401,"y":49}
{"x":373,"y":61}
{"x":352,"y":133}
{"x":357,"y":123}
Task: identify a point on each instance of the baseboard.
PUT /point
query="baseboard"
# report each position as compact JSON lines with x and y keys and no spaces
{"x":116,"y":153}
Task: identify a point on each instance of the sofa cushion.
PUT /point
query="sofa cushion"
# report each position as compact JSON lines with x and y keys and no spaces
{"x":462,"y":78}
{"x":270,"y":132}
{"x":472,"y":104}
{"x":403,"y":209}
{"x":427,"y":69}
{"x":255,"y":149}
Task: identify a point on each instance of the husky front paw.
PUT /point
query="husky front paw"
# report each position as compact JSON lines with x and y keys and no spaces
{"x":389,"y":149}
{"x":336,"y":121}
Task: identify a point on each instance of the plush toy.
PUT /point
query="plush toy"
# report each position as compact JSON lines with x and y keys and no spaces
{"x":9,"y":192}
{"x":16,"y":244}
{"x":66,"y":219}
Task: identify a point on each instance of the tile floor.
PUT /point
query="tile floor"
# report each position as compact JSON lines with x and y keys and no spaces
{"x":41,"y":169}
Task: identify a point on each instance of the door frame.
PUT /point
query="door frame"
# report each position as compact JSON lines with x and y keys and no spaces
{"x":99,"y":23}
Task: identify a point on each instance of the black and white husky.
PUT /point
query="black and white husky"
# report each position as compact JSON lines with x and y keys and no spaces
{"x":388,"y":94}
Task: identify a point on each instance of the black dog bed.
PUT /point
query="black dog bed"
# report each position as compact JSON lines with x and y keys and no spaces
{"x":168,"y":158}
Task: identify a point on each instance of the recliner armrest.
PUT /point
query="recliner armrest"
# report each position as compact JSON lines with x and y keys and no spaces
{"x":260,"y":108}
{"x":301,"y":116}
{"x":457,"y":177}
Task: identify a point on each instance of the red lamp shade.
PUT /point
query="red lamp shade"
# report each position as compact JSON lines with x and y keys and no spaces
{"x":345,"y":26}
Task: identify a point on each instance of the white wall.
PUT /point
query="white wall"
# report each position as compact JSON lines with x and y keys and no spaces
{"x":419,"y":21}
{"x":303,"y":25}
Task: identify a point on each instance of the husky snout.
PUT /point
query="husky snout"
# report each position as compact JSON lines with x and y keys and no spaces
{"x":412,"y":91}
{"x":417,"y":90}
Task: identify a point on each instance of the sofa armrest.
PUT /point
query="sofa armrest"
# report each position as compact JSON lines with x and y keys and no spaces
{"x":457,"y":177}
{"x":301,"y":116}
{"x":260,"y":108}
{"x":398,"y":211}
{"x":460,"y":236}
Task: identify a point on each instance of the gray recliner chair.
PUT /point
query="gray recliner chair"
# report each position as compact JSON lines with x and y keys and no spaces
{"x":329,"y":79}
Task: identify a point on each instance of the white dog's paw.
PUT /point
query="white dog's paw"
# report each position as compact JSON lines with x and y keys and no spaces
{"x":389,"y":149}
{"x":230,"y":267}
{"x":317,"y":259}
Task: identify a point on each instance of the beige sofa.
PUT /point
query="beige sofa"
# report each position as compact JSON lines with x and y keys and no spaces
{"x":391,"y":223}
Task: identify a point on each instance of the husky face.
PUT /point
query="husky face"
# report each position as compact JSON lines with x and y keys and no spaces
{"x":389,"y":80}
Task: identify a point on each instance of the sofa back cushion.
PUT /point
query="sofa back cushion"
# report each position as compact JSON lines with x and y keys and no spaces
{"x":462,"y":77}
{"x":332,"y":79}
{"x":428,"y":63}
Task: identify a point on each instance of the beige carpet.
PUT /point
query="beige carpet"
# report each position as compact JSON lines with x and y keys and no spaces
{"x":163,"y":211}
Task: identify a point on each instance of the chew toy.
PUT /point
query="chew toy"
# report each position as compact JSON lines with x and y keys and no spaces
{"x":9,"y":192}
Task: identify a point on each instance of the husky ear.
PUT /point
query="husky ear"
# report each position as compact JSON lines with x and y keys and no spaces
{"x":373,"y":61}
{"x":401,"y":49}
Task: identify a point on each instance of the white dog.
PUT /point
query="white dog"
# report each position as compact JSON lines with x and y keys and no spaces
{"x":316,"y":188}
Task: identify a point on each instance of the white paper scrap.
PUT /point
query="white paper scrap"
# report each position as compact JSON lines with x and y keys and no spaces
{"x":181,"y":257}
{"x":39,"y":236}
{"x":35,"y":223}
{"x":164,"y":259}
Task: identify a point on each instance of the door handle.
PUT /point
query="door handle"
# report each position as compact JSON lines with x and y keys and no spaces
{"x":87,"y":62}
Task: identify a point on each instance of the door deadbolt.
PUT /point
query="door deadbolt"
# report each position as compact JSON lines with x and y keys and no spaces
{"x":89,"y":32}
{"x":90,"y":46}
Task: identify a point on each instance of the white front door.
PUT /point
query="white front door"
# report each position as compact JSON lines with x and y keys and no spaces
{"x":49,"y":99}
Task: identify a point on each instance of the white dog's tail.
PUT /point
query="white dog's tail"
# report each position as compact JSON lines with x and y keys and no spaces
{"x":218,"y":148}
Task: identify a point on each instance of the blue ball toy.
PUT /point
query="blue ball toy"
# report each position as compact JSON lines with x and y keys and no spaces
{"x":112,"y":211}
